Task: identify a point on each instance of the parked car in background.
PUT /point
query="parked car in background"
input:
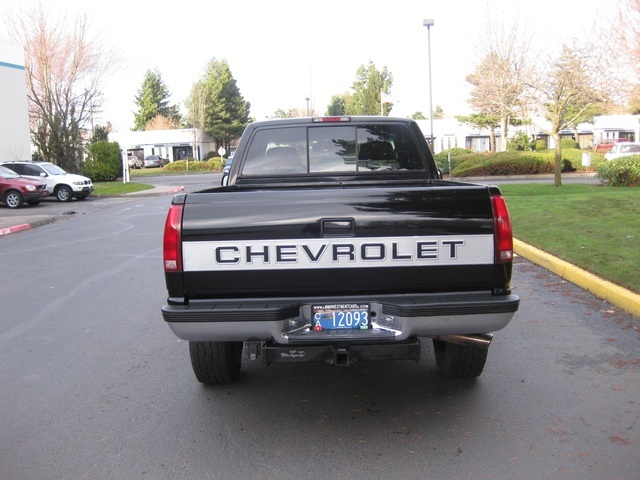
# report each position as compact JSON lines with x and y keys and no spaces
{"x":15,"y":190}
{"x":623,"y":150}
{"x":607,"y":144}
{"x":135,"y":162}
{"x":65,"y":186}
{"x":152,"y":161}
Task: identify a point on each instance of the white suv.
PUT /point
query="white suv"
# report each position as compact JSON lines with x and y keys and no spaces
{"x":623,"y":150}
{"x":64,"y":186}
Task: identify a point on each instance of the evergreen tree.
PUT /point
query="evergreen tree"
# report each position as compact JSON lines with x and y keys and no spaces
{"x":368,"y":88}
{"x":226,"y":113}
{"x":152,"y":100}
{"x":336,"y":106}
{"x":100,"y":132}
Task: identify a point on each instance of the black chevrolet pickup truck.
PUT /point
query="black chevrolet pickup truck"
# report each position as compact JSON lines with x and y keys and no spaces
{"x":335,"y":239}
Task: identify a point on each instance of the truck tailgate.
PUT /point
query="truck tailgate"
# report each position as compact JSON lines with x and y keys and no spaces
{"x":310,"y":241}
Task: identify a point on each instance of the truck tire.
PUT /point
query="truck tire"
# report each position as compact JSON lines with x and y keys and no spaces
{"x":459,"y":361}
{"x":216,"y":363}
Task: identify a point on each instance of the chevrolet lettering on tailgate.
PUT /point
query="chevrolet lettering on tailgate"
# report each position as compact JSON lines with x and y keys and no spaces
{"x":372,"y":252}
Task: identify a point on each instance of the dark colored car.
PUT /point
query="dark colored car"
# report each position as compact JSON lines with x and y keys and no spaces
{"x":227,"y":165}
{"x":15,"y":190}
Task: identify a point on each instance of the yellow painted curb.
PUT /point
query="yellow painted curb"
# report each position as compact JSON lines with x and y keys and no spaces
{"x":618,"y":296}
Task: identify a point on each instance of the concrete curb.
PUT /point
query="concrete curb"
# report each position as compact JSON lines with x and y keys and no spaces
{"x":618,"y":296}
{"x":14,"y":229}
{"x":154,"y":192}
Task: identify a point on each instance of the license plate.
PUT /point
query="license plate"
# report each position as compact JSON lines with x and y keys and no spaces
{"x":341,"y":316}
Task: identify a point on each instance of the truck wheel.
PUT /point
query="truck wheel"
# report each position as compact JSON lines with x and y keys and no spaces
{"x":216,"y":363}
{"x":459,"y":361}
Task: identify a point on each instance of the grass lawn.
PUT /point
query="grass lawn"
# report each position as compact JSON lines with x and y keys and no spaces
{"x":118,"y":188}
{"x":594,"y":227}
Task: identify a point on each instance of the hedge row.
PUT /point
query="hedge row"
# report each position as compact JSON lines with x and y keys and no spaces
{"x":466,"y":163}
{"x":212,"y":165}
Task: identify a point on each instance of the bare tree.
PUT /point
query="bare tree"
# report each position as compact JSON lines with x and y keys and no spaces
{"x":567,"y":86}
{"x":196,"y":105}
{"x":65,"y":70}
{"x":499,"y":79}
{"x":627,"y":35}
{"x":628,"y":32}
{"x":160,"y":122}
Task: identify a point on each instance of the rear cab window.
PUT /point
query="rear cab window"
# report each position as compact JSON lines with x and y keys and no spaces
{"x":348,"y":149}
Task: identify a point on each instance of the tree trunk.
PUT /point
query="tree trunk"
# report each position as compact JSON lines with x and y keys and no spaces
{"x":504,"y":125}
{"x":557,"y":180}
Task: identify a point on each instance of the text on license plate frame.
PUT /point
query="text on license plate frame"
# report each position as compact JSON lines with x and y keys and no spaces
{"x":341,"y":316}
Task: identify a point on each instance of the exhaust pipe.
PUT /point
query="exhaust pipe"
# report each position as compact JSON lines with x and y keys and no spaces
{"x":482,"y":340}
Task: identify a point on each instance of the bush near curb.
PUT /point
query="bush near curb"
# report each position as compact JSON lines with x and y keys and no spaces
{"x":505,"y":163}
{"x":212,"y":165}
{"x":467,"y":164}
{"x":622,"y":172}
{"x":457,"y":154}
{"x":104,"y":163}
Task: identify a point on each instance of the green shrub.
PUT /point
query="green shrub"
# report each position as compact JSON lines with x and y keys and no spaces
{"x":539,"y":145}
{"x":622,"y":172}
{"x":457,"y":156}
{"x":104,"y":162}
{"x":519,"y":143}
{"x":466,"y":163}
{"x":504,"y":164}
{"x":213,"y":165}
{"x":574,"y":157}
{"x":569,"y":143}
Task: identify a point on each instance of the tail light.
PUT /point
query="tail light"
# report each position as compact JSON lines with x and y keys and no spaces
{"x":172,"y":243}
{"x":503,"y":232}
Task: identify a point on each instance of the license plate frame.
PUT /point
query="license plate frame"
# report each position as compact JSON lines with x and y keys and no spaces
{"x":340,"y":316}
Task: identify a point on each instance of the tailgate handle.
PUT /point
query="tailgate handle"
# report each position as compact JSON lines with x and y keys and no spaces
{"x":338,"y":227}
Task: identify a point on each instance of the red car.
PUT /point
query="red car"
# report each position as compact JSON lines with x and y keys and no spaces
{"x":608,"y":143}
{"x":15,"y":190}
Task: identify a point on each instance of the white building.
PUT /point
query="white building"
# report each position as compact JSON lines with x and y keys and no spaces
{"x":15,"y":140}
{"x":173,"y":145}
{"x":449,"y":133}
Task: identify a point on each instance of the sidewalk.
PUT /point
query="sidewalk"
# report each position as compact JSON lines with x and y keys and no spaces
{"x":618,"y":296}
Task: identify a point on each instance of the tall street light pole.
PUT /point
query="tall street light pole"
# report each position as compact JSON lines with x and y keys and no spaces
{"x":429,"y":23}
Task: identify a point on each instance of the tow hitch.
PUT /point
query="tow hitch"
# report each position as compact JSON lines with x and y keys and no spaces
{"x":339,"y":355}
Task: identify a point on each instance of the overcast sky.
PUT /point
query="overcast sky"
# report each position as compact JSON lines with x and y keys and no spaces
{"x":281,"y":51}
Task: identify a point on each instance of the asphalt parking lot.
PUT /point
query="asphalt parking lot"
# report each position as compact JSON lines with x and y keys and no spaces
{"x":31,"y":216}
